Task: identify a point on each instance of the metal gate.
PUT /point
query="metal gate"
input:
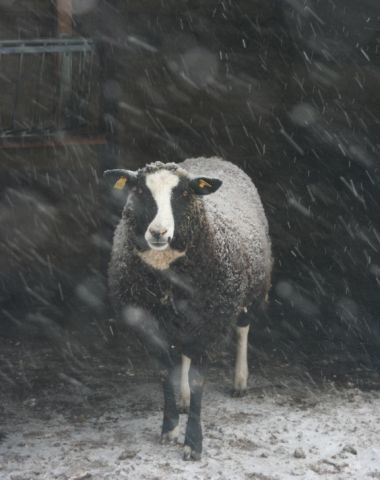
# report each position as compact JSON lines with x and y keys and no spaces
{"x":49,"y":90}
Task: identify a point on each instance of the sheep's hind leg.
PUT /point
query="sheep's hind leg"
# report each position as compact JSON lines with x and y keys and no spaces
{"x":184,"y":392}
{"x":241,"y":363}
{"x":193,"y":436}
{"x":170,"y":430}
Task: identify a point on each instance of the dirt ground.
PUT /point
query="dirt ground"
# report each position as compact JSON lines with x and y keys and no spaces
{"x":73,"y":415}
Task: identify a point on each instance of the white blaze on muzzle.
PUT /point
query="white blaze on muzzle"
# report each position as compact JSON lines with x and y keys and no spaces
{"x":161,"y":185}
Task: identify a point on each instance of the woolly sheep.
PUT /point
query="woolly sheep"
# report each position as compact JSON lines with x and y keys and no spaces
{"x":190,"y":255}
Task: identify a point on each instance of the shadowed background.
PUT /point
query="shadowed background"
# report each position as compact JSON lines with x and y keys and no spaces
{"x":287,"y":90}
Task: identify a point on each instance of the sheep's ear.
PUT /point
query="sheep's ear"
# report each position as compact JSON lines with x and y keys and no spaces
{"x":120,"y":178}
{"x":205,"y":185}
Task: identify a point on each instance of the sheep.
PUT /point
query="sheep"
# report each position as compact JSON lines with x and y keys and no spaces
{"x":190,"y":255}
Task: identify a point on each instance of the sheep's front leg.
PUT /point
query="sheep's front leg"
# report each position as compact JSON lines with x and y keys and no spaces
{"x":241,"y":363}
{"x":169,"y":433}
{"x":184,"y":391}
{"x":193,"y":436}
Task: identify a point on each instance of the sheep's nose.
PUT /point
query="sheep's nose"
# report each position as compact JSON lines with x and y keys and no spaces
{"x":157,"y":232}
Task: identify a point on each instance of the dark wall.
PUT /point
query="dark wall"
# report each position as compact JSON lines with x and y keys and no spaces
{"x":51,"y":251}
{"x":27,"y":19}
{"x":289,"y":91}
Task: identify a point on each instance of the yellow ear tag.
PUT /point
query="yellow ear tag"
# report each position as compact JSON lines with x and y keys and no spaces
{"x":203,"y":184}
{"x":120,"y":184}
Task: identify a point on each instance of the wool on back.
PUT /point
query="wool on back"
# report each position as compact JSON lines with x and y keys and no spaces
{"x":236,"y":216}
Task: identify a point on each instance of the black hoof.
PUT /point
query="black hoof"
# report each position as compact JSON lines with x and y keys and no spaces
{"x":189,"y":454}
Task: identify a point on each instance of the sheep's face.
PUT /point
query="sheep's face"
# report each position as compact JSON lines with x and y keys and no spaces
{"x":159,"y":203}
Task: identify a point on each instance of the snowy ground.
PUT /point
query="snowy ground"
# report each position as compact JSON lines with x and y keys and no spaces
{"x":104,"y":423}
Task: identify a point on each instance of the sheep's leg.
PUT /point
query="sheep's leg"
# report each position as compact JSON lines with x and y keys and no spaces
{"x":193,"y":436}
{"x":184,"y":392}
{"x":241,"y":363}
{"x":169,"y":431}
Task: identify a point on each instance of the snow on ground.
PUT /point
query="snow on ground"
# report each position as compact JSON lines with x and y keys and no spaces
{"x":281,"y":430}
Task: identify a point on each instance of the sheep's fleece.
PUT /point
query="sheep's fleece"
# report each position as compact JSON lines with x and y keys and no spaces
{"x":226,"y":268}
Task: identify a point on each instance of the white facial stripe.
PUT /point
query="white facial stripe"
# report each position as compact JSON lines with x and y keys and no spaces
{"x":161,"y":185}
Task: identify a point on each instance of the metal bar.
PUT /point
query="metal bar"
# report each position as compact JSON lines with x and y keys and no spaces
{"x":52,"y":40}
{"x":38,"y":90}
{"x":16,"y":97}
{"x":65,"y":30}
{"x":25,"y":49}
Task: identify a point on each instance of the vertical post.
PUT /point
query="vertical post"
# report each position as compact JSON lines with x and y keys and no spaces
{"x":65,"y":29}
{"x":65,"y":17}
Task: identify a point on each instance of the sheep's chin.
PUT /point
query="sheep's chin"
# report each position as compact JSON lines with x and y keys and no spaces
{"x":158,"y":248}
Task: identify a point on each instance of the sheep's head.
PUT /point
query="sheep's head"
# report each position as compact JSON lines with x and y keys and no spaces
{"x":159,"y":200}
